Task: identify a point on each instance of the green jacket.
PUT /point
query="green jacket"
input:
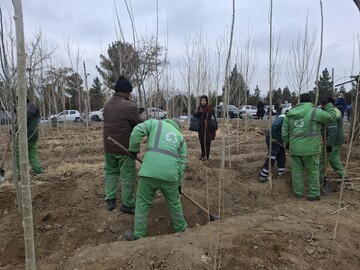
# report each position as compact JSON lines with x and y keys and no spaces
{"x":334,"y":131}
{"x":301,"y":129}
{"x":165,"y":155}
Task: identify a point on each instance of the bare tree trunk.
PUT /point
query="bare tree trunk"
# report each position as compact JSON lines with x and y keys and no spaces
{"x":23,"y":144}
{"x":87,"y":103}
{"x":226,"y":102}
{"x":9,"y":102}
{"x":320,"y":55}
{"x":270,"y":90}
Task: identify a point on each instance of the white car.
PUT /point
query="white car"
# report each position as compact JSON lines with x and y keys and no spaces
{"x":249,"y":110}
{"x":97,"y":115}
{"x":266,"y":108}
{"x":67,"y":116}
{"x":156,"y":113}
{"x":287,"y":107}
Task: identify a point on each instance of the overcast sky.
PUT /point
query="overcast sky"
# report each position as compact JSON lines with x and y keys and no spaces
{"x":91,"y":26}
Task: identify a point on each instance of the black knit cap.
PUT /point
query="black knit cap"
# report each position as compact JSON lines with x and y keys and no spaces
{"x":123,"y":85}
{"x":305,"y":97}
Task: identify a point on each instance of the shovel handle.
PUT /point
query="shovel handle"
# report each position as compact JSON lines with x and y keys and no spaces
{"x":123,"y":148}
{"x":5,"y":154}
{"x":195,"y":202}
{"x":212,"y":217}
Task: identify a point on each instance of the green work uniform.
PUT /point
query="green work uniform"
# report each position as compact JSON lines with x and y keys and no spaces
{"x":334,"y":138}
{"x":162,"y":168}
{"x":120,"y":167}
{"x":301,"y":133}
{"x":33,"y":118}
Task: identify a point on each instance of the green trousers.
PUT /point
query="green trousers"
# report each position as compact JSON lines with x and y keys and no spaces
{"x":144,"y":199}
{"x":33,"y":157}
{"x":310,"y":164}
{"x":120,"y":167}
{"x":333,"y":159}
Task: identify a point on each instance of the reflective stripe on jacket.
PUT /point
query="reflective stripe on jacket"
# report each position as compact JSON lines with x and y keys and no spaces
{"x":302,"y":128}
{"x":334,"y":131}
{"x":165,"y":155}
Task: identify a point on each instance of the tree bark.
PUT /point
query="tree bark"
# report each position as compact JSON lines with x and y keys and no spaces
{"x":23,"y":143}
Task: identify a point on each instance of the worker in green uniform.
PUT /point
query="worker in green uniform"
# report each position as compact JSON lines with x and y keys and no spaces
{"x":33,"y":119}
{"x":334,"y":139}
{"x":162,"y":168}
{"x":301,"y":133}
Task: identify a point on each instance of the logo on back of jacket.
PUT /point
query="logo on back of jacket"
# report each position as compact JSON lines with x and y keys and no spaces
{"x":171,"y":138}
{"x":299,"y":123}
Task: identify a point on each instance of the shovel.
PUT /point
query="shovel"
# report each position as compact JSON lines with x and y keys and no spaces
{"x":326,"y":186}
{"x":2,"y":171}
{"x":211,"y":216}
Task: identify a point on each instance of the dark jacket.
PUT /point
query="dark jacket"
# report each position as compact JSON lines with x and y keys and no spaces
{"x":260,"y":110}
{"x":276,"y":129}
{"x":121,"y":115}
{"x":33,"y":118}
{"x":205,"y":135}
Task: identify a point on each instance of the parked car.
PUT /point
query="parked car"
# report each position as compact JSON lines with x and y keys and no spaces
{"x":287,"y":107}
{"x":249,"y":110}
{"x":67,"y":116}
{"x":156,"y":113}
{"x":96,"y":115}
{"x":266,"y":108}
{"x":233,"y":111}
{"x":4,"y":118}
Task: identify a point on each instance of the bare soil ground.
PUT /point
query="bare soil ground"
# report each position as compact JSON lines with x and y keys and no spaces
{"x":260,"y":228}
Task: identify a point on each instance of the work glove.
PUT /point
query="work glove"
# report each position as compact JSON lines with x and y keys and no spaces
{"x":328,"y":149}
{"x":179,"y":189}
{"x":132,"y":155}
{"x":326,"y":100}
{"x":141,"y":110}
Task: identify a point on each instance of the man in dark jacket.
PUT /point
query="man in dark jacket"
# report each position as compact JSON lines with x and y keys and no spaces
{"x":121,"y":115}
{"x":340,"y":103}
{"x":33,"y":118}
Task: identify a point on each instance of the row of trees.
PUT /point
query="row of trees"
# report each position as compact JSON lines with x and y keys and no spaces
{"x":239,"y":89}
{"x":145,"y":63}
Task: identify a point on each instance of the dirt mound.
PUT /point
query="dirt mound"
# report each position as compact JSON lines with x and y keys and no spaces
{"x":260,"y":228}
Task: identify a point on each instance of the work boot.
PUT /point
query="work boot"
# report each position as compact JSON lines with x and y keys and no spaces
{"x":127,"y":210}
{"x":262,"y":179}
{"x":299,"y":196}
{"x":129,"y":235}
{"x":311,"y":198}
{"x":202,"y":159}
{"x":110,"y":204}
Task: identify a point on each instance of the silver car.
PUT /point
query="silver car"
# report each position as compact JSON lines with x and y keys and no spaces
{"x":96,"y":115}
{"x":249,"y":110}
{"x":67,"y":116}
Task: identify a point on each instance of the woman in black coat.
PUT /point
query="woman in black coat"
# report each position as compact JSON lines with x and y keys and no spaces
{"x":204,"y":112}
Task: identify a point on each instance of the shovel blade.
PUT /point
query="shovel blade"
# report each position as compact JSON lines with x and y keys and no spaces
{"x":2,"y":175}
{"x":213,"y":217}
{"x":326,"y":188}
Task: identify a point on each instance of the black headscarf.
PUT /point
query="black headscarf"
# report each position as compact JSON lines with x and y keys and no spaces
{"x":206,"y":98}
